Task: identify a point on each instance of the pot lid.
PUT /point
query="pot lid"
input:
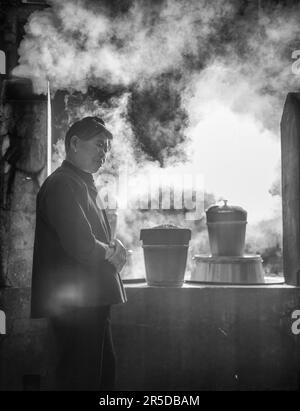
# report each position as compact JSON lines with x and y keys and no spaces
{"x":225,"y":212}
{"x":165,"y":234}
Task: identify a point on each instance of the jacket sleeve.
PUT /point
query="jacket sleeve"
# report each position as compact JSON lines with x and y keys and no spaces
{"x":64,"y":212}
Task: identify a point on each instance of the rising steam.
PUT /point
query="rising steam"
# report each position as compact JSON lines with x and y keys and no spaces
{"x":76,"y":43}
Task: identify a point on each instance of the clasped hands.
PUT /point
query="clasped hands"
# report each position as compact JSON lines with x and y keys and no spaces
{"x":116,"y":254}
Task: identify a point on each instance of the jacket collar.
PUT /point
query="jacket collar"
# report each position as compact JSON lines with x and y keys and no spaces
{"x":87,"y":177}
{"x":89,"y":180}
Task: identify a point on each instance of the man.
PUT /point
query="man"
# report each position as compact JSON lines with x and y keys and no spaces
{"x":76,"y":264}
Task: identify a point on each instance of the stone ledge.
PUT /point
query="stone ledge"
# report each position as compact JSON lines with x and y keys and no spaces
{"x":15,"y":301}
{"x":194,"y":337}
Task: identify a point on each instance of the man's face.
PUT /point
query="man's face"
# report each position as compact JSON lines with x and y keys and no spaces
{"x":91,"y":154}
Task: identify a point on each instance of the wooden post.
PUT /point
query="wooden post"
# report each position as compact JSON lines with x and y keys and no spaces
{"x":290,"y":157}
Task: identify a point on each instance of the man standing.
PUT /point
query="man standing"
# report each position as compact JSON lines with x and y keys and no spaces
{"x":76,"y":264}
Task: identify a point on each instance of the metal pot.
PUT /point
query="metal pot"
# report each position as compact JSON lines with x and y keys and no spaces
{"x":165,"y":253}
{"x":226,"y":229}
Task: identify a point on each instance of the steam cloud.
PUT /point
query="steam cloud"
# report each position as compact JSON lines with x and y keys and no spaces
{"x":76,"y":43}
{"x":234,"y":71}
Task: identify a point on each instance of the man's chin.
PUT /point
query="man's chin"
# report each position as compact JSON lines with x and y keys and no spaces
{"x":97,"y":167}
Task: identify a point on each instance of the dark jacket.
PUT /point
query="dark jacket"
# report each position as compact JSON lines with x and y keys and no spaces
{"x":69,"y":266}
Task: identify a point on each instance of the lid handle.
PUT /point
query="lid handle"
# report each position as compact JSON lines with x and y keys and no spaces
{"x":225,"y":203}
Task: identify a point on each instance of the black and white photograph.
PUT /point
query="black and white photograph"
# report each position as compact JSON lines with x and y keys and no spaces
{"x":149,"y":198}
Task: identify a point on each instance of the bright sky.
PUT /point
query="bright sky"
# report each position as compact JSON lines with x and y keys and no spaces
{"x":238,"y":160}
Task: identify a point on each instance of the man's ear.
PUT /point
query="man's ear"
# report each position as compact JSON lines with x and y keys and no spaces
{"x":74,"y":140}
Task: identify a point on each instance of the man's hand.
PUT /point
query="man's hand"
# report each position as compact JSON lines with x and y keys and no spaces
{"x":119,"y":256}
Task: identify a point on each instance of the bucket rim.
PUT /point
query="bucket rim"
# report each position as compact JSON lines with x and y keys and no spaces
{"x":165,"y":245}
{"x":227,"y":223}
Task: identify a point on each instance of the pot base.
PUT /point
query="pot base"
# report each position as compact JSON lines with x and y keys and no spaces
{"x":246,"y":269}
{"x":165,"y":284}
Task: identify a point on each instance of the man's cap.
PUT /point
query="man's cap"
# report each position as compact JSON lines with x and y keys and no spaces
{"x":87,"y":128}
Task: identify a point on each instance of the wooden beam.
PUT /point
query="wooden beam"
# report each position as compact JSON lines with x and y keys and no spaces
{"x":290,"y":157}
